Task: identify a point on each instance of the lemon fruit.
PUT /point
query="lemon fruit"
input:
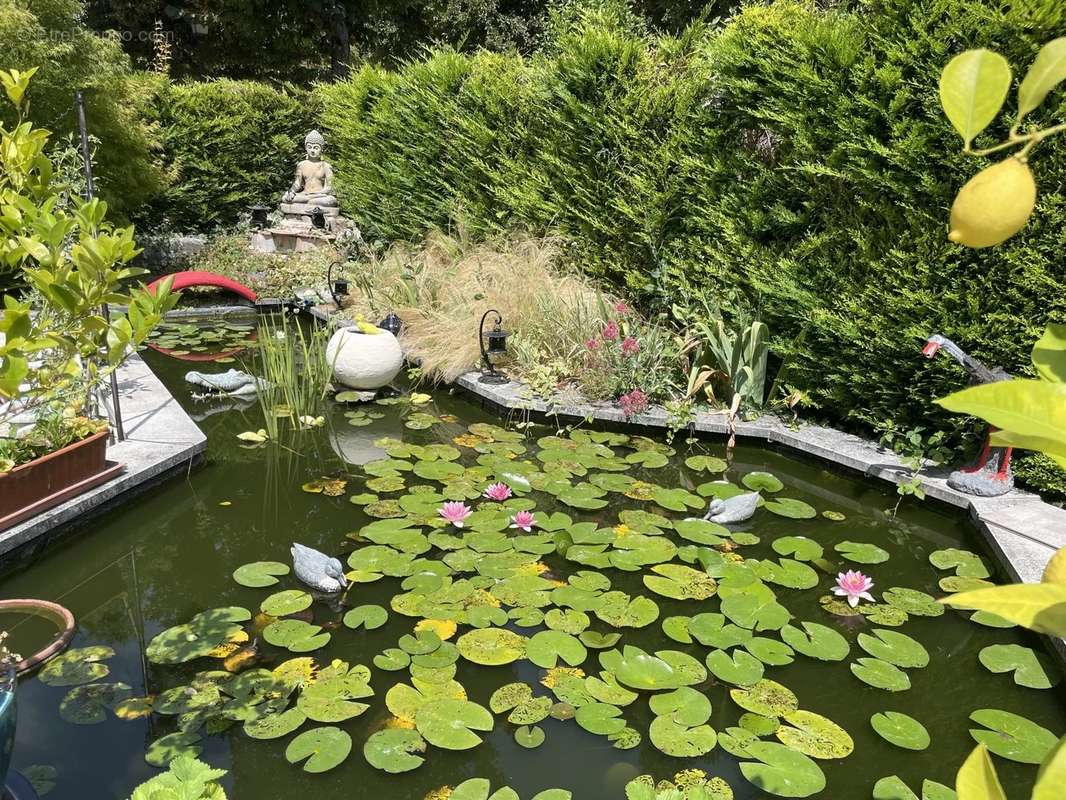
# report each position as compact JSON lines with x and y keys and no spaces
{"x":993,"y":205}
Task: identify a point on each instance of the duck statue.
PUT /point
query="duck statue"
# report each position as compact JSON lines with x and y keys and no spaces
{"x":318,"y":570}
{"x":734,"y":509}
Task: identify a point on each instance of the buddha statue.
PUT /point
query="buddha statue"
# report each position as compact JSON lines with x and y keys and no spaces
{"x":313,"y":185}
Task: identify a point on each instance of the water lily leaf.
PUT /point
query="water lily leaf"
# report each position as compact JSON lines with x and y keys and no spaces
{"x":766,"y":697}
{"x":685,"y":706}
{"x":667,"y":669}
{"x":782,"y":771}
{"x":815,"y":736}
{"x":1011,"y":736}
{"x":788,"y":573}
{"x":260,"y":573}
{"x":762,"y":482}
{"x":791,"y":509}
{"x":546,"y":648}
{"x":529,"y":737}
{"x":816,"y":641}
{"x":42,"y":777}
{"x":333,"y":699}
{"x":622,"y":611}
{"x":681,"y":741}
{"x":834,"y":516}
{"x":392,"y":660}
{"x":198,"y":637}
{"x":676,"y":499}
{"x":680,"y":582}
{"x":600,"y":718}
{"x":606,"y":689}
{"x":735,"y":741}
{"x":702,"y":531}
{"x":799,"y":547}
{"x":87,"y":704}
{"x":1031,"y":668}
{"x":491,"y":647}
{"x":901,"y":730}
{"x":931,"y":790}
{"x":76,"y":666}
{"x":599,"y":641}
{"x":324,"y":748}
{"x":991,"y":620}
{"x":965,"y":563}
{"x":881,"y":675}
{"x":395,"y":750}
{"x":440,"y":471}
{"x":422,"y":642}
{"x":862,"y":552}
{"x":769,"y":651}
{"x":892,"y":787}
{"x":676,"y":628}
{"x":750,"y":610}
{"x":567,"y":620}
{"x":884,"y":614}
{"x":290,"y":601}
{"x":295,"y":635}
{"x":740,"y":668}
{"x":649,"y":459}
{"x":706,"y":464}
{"x":275,"y":725}
{"x":166,"y":748}
{"x":553,"y":794}
{"x":368,"y":617}
{"x":710,"y":629}
{"x":895,"y":648}
{"x":913,"y":602}
{"x":450,"y":724}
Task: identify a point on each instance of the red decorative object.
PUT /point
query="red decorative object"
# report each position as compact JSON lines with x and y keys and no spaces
{"x":188,"y":278}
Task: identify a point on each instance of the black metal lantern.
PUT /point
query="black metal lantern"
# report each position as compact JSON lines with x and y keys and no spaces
{"x":337,"y":288}
{"x":492,"y":343}
{"x":392,"y":323}
{"x":259,"y":216}
{"x":318,"y":218}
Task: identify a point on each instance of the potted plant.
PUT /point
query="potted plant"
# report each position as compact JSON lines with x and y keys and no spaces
{"x":61,"y":265}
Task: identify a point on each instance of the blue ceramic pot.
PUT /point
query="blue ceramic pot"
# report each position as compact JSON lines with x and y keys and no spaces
{"x":8,"y":717}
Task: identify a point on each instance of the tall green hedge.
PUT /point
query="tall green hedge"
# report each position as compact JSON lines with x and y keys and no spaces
{"x":795,"y":160}
{"x":226,"y":145}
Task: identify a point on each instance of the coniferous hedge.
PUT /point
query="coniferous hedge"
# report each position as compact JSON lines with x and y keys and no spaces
{"x":796,"y":161}
{"x":226,"y":145}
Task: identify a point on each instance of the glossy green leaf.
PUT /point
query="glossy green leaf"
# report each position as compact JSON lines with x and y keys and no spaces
{"x":901,"y":730}
{"x":1047,"y":72}
{"x":1031,"y":668}
{"x":895,"y":648}
{"x":880,"y":674}
{"x":260,"y":573}
{"x":781,"y":771}
{"x":739,"y":668}
{"x":816,"y":641}
{"x":1011,"y":736}
{"x":973,"y":86}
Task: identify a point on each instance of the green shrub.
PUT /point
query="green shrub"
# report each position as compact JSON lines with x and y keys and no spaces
{"x":51,"y":35}
{"x":794,"y":161}
{"x":227,"y":145}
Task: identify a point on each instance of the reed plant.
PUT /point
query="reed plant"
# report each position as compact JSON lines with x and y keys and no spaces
{"x":295,"y":371}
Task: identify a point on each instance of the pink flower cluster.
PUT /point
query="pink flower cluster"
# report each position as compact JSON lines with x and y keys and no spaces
{"x":635,"y":402}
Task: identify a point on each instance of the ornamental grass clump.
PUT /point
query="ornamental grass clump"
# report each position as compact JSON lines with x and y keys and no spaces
{"x":441,"y":289}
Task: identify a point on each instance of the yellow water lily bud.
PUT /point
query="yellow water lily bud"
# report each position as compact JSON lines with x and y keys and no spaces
{"x":993,"y":205}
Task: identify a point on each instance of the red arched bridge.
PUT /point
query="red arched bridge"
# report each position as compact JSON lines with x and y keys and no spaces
{"x":189,"y":278}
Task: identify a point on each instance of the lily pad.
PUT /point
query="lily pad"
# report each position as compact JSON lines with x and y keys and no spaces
{"x":815,"y":736}
{"x":1031,"y":668}
{"x":798,"y":547}
{"x":198,"y":637}
{"x":913,"y":602}
{"x":782,"y":771}
{"x":681,"y":741}
{"x":392,"y":660}
{"x":816,"y":641}
{"x":901,"y":730}
{"x":881,"y":675}
{"x":895,"y":648}
{"x":892,"y":787}
{"x":600,"y":718}
{"x":450,"y":724}
{"x":766,"y":697}
{"x":739,"y":668}
{"x":791,"y":509}
{"x":166,"y":748}
{"x":395,"y":750}
{"x":295,"y":635}
{"x":276,"y":725}
{"x":87,"y":704}
{"x":258,"y":574}
{"x":281,"y":604}
{"x":680,"y":582}
{"x":862,"y":552}
{"x":324,"y":748}
{"x":530,"y":737}
{"x":622,"y":611}
{"x":762,"y":482}
{"x":706,"y":464}
{"x":685,"y":706}
{"x":76,"y":666}
{"x":491,"y":647}
{"x":547,"y":648}
{"x":368,"y":617}
{"x":1011,"y":736}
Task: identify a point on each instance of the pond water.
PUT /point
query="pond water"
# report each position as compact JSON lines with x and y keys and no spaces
{"x":170,"y":553}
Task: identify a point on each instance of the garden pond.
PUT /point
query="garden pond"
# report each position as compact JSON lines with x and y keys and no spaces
{"x":613,"y":640}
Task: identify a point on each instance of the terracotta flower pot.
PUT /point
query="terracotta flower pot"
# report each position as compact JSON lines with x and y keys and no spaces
{"x":52,"y":479}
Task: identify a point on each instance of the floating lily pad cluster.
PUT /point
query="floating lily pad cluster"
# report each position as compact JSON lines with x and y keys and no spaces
{"x":204,"y":337}
{"x":474,"y":592}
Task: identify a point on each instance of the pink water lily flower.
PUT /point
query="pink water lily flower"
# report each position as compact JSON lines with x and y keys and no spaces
{"x":498,"y":491}
{"x":524,"y":520}
{"x":855,"y":586}
{"x":455,"y":513}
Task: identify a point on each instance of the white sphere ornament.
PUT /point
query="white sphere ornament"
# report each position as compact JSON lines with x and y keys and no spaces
{"x":364,"y":361}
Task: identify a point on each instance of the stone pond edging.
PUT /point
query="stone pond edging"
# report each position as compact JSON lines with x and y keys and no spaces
{"x":161,"y":440}
{"x":1021,"y":530}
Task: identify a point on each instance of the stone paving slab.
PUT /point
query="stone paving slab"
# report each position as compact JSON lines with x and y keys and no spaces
{"x":160,"y":439}
{"x":1019,"y":527}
